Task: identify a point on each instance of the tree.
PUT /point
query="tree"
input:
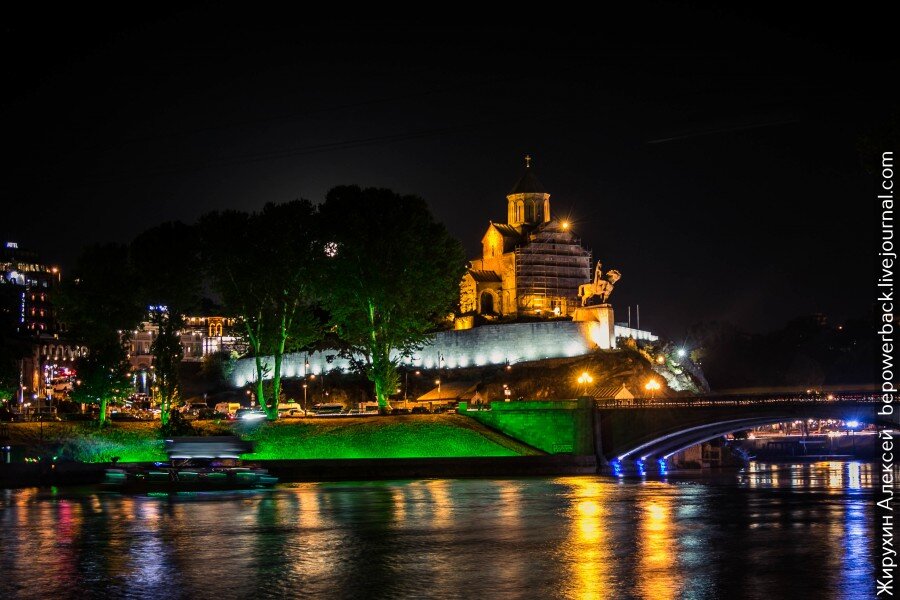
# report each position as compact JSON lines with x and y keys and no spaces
{"x":104,"y":377}
{"x":167,"y":354}
{"x":263,"y":266}
{"x":101,"y":308}
{"x":166,"y":257}
{"x":217,"y":368}
{"x":392,"y":273}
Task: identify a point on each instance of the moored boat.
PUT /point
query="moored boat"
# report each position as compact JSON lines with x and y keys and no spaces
{"x":195,"y":464}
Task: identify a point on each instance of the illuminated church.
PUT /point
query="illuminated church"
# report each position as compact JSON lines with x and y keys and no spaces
{"x":532,"y":265}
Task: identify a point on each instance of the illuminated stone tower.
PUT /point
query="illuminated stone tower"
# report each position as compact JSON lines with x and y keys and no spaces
{"x":527,"y":203}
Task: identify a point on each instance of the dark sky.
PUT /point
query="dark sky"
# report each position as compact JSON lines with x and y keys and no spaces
{"x":709,"y":155}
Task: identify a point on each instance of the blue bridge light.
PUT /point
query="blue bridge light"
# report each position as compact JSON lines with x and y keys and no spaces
{"x":640,"y":467}
{"x":617,"y":468}
{"x":663,"y":467}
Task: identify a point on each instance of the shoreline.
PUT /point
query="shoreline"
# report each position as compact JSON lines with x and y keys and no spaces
{"x":15,"y":475}
{"x":19,"y":475}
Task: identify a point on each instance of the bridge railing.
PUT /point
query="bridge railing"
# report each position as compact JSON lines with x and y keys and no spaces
{"x":715,"y":401}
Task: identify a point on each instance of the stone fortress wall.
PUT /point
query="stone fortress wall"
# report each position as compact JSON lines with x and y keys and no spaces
{"x":486,"y":345}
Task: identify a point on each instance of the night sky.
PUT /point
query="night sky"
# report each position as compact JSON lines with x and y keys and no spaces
{"x":709,"y":155}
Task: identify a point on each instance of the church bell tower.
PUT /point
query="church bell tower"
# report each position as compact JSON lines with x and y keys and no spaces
{"x":528,"y":203}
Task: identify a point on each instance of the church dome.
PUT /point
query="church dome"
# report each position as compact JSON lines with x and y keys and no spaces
{"x":528,"y":184}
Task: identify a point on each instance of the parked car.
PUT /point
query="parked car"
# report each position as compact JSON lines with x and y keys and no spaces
{"x":194,"y":409}
{"x":209,"y":413}
{"x":250,"y":414}
{"x":228,"y":408}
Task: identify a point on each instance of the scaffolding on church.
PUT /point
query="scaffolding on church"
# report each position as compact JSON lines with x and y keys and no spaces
{"x":549,"y":268}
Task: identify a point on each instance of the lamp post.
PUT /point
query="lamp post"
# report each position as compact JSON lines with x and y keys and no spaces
{"x":304,"y":399}
{"x":406,"y":388}
{"x":438,"y":383}
{"x":651,"y":387}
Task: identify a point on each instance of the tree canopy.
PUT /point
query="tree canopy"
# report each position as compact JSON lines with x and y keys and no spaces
{"x":101,"y":307}
{"x":392,"y":273}
{"x":263,"y":265}
{"x":166,"y":259}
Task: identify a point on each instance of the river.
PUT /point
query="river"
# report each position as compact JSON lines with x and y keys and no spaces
{"x":787,"y":531}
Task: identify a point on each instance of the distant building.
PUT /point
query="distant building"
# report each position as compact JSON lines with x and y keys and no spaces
{"x":201,"y":336}
{"x":28,"y":287}
{"x":530,"y":265}
{"x":451,"y":391}
{"x":611,"y":392}
{"x":32,"y":285}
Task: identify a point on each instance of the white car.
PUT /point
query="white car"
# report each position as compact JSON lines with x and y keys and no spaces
{"x":250,"y":414}
{"x":291,"y":413}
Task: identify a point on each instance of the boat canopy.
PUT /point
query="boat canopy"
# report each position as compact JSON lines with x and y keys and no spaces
{"x":221,"y":446}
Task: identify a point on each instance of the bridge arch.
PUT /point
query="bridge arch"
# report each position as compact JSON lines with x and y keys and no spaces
{"x":652,"y":435}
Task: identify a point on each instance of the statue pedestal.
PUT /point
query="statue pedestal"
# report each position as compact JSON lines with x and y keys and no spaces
{"x":600,"y":324}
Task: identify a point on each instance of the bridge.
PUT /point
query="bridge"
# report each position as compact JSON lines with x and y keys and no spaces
{"x":641,"y":435}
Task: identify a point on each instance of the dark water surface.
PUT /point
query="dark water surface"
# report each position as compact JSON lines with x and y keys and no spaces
{"x":801,"y":531}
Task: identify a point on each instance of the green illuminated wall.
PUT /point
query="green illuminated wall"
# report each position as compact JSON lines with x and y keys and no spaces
{"x":407,"y":436}
{"x":562,"y":427}
{"x":414,"y":436}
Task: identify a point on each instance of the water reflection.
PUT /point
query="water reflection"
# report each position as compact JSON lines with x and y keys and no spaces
{"x":660,"y":580}
{"x":826,"y":474}
{"x":587,"y":547}
{"x":802,"y":530}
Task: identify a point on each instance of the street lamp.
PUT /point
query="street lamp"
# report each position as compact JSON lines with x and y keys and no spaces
{"x":584,"y":379}
{"x":651,"y":387}
{"x":304,"y":399}
{"x":438,"y":383}
{"x":406,"y":387}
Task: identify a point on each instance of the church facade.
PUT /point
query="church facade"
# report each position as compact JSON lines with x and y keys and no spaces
{"x":532,"y":265}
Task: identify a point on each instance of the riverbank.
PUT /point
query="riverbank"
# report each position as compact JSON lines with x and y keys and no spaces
{"x":296,"y":471}
{"x":404,"y":436}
